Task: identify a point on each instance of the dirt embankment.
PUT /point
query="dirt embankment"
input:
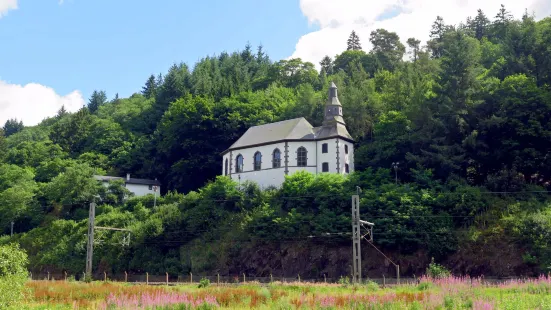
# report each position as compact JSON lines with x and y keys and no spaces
{"x":491,"y":257}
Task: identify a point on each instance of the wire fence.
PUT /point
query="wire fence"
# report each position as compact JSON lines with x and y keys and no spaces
{"x":227,"y":280}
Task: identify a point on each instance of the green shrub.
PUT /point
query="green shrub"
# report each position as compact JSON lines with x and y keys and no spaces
{"x":437,"y":271}
{"x":344,"y":281}
{"x":371,"y":286}
{"x":204,"y":283}
{"x":423,"y":286}
{"x":13,"y":274}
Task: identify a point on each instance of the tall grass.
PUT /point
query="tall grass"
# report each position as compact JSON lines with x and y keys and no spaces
{"x":441,"y":293}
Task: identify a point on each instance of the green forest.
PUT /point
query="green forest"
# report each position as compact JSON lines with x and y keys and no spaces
{"x":466,"y":116}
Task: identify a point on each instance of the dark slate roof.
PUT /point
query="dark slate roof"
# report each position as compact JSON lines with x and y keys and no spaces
{"x":130,"y":181}
{"x":293,"y":129}
{"x":337,"y":130}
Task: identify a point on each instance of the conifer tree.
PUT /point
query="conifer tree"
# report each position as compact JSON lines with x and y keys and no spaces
{"x":414,"y":45}
{"x":327,"y":65}
{"x":97,"y":99}
{"x":150,"y":88}
{"x":61,"y":112}
{"x":354,"y":42}
{"x":437,"y":32}
{"x":12,"y":126}
{"x":501,"y":23}
{"x":480,"y":25}
{"x":503,"y":16}
{"x":160,"y":80}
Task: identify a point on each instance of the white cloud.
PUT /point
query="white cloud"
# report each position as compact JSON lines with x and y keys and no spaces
{"x":6,"y":5}
{"x":542,"y":8}
{"x":337,"y":19}
{"x":33,"y":102}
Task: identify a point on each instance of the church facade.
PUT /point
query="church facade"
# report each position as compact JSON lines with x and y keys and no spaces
{"x":267,"y":153}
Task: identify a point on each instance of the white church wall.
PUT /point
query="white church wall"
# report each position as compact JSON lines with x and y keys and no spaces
{"x":346,"y":158}
{"x":330,"y":157}
{"x":265,"y":177}
{"x":349,"y":158}
{"x":311,"y":155}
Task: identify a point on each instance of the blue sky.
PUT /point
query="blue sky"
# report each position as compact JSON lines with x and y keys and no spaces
{"x":116,"y":44}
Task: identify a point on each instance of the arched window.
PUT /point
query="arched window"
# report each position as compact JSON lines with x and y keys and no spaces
{"x":239,"y":163}
{"x":257,"y":161}
{"x":302,"y":160}
{"x":226,"y":167}
{"x":345,"y":149}
{"x":276,"y":159}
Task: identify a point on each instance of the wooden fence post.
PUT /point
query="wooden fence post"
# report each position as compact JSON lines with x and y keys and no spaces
{"x":147,"y":278}
{"x":384,"y":281}
{"x":125,"y":276}
{"x":218,"y":279}
{"x":324,"y":278}
{"x":48,"y":276}
{"x":190,"y":277}
{"x":104,"y":276}
{"x":31,"y":275}
{"x":271,"y":278}
{"x":244,"y":278}
{"x":299,"y":278}
{"x":166,"y":278}
{"x":65,"y":275}
{"x":84,"y":276}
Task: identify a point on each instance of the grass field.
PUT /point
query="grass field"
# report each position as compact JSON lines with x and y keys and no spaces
{"x":447,"y":293}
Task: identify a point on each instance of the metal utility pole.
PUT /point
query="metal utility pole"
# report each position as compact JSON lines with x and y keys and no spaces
{"x":90,"y":248}
{"x":356,"y":250}
{"x":91,"y":228}
{"x":11,"y":235}
{"x":357,"y":223}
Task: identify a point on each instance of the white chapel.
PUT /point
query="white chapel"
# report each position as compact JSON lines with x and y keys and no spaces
{"x":267,"y":153}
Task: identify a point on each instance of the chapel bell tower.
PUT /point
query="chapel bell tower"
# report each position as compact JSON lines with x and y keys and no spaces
{"x":333,"y":108}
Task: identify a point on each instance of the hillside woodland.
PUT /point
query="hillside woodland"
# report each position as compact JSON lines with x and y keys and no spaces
{"x":467,"y":117}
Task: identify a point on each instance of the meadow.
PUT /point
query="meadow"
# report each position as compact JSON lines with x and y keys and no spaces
{"x":445,"y":293}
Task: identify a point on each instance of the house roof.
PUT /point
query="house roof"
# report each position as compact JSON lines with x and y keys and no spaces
{"x":289,"y":130}
{"x":105,"y":178}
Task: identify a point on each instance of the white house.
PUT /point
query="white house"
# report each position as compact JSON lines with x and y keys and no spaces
{"x":140,"y":187}
{"x":266,"y":153}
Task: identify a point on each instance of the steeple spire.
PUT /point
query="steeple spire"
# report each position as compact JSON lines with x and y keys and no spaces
{"x":333,"y":107}
{"x":333,"y":96}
